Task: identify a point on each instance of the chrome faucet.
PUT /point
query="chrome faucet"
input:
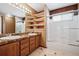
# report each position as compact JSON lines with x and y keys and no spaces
{"x":9,"y":34}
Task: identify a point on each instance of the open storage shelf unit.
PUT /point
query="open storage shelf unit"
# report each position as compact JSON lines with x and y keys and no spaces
{"x":36,"y":23}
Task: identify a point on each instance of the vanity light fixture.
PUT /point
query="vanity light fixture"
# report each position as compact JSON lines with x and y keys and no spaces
{"x":20,"y":6}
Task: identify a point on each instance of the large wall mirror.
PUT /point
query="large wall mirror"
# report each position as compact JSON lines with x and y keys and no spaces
{"x":12,"y":24}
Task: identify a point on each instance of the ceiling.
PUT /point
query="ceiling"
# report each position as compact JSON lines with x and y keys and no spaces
{"x":51,"y":6}
{"x":7,"y":9}
{"x":37,"y":6}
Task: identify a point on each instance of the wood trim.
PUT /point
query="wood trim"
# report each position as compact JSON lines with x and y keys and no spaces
{"x":2,"y":24}
{"x":71,"y":7}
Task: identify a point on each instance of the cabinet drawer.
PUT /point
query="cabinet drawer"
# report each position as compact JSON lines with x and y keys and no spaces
{"x":25,"y":52}
{"x":25,"y":45}
{"x":32,"y":42}
{"x":24,"y":41}
{"x":32,"y":39}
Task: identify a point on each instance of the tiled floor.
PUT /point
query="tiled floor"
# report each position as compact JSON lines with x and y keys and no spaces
{"x":44,"y":52}
{"x":47,"y":52}
{"x":57,"y":49}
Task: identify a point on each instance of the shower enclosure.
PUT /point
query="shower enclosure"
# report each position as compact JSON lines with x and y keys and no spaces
{"x":63,"y":31}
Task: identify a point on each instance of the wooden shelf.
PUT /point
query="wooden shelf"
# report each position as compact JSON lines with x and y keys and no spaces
{"x":38,"y":24}
{"x":39,"y":30}
{"x":30,"y":20}
{"x":30,"y":23}
{"x":39,"y":20}
{"x":30,"y":30}
{"x":39,"y":14}
{"x":29,"y":27}
{"x":39,"y":27}
{"x":30,"y":17}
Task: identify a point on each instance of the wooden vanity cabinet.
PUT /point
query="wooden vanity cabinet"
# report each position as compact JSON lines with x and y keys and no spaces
{"x":24,"y":47}
{"x":10,"y":49}
{"x":32,"y":43}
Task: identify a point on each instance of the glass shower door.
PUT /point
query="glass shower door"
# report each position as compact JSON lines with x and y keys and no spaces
{"x":63,"y":29}
{"x":58,"y":28}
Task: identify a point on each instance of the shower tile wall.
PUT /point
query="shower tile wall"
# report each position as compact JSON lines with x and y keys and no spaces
{"x":63,"y":32}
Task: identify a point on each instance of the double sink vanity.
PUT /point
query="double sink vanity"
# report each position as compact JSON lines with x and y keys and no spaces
{"x":19,"y":45}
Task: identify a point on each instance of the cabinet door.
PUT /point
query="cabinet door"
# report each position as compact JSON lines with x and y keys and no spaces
{"x":32,"y":43}
{"x":24,"y":47}
{"x":24,"y":43}
{"x":11,"y":49}
{"x":25,"y":51}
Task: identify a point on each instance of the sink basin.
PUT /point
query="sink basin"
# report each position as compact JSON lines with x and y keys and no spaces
{"x":0,"y":40}
{"x":30,"y":34}
{"x":10,"y":38}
